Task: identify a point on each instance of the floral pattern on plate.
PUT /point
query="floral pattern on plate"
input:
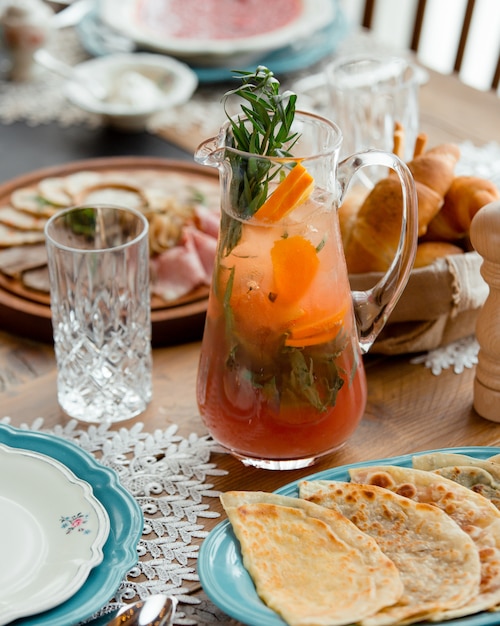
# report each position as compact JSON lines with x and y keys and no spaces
{"x":44,"y":567}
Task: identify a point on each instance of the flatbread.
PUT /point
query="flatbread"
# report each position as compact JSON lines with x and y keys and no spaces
{"x":310,"y":564}
{"x":482,"y":476}
{"x":438,"y":562}
{"x":476,"y":515}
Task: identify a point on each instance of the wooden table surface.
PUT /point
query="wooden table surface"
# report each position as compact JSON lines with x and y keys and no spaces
{"x":409,"y":409}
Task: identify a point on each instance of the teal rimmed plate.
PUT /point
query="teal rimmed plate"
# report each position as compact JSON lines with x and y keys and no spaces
{"x":228,"y":584}
{"x":126,"y":525}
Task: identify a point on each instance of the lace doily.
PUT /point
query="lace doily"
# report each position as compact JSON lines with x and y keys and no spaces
{"x":482,"y":161}
{"x":459,"y":355}
{"x":42,"y":100}
{"x":168,"y":475}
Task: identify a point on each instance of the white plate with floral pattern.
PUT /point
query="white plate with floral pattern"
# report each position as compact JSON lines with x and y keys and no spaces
{"x":52,"y":531}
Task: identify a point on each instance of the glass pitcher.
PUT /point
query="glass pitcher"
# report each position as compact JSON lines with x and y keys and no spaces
{"x":281,"y":379}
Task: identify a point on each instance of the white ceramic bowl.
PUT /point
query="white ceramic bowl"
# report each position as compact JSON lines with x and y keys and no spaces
{"x":200,"y":36}
{"x":138,"y":86}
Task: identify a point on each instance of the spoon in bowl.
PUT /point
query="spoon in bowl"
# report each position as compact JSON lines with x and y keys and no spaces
{"x":49,"y":62}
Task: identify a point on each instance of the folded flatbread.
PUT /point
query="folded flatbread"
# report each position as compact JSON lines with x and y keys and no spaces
{"x":474,"y":513}
{"x":438,"y":562}
{"x":480,"y":475}
{"x":308,"y":563}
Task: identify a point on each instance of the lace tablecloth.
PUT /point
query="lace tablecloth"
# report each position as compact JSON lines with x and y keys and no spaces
{"x":169,"y":476}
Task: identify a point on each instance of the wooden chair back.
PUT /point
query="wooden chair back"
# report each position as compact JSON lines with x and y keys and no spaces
{"x":420,"y":9}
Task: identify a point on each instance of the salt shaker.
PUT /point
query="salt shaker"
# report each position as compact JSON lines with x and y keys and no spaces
{"x":485,"y":237}
{"x":26,"y":26}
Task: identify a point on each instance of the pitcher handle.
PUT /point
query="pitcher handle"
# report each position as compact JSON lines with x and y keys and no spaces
{"x":373,"y":307}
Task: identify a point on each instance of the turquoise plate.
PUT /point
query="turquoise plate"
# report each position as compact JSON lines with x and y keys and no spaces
{"x":126,"y":525}
{"x":228,"y":584}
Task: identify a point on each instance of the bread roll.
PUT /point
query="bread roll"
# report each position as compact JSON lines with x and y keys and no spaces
{"x":430,"y":251}
{"x":436,"y":167}
{"x":467,"y":194}
{"x":375,"y":235}
{"x":348,"y":211}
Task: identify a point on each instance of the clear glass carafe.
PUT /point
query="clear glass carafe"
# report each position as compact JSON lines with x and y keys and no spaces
{"x":281,"y":379}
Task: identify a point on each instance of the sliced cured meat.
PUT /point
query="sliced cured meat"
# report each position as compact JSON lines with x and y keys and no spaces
{"x":183,"y":215}
{"x":177,"y":271}
{"x":53,"y":190}
{"x":16,"y":260}
{"x":14,"y":237}
{"x":76,"y":183}
{"x":28,"y":199}
{"x":37,"y":279}
{"x":207,"y":220}
{"x":21,"y":220}
{"x":206,"y":246}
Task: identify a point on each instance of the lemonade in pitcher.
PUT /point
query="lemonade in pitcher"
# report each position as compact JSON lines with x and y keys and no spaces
{"x":281,"y":379}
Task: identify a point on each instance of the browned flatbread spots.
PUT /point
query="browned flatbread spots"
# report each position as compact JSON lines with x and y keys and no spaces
{"x":476,"y":515}
{"x":438,"y":562}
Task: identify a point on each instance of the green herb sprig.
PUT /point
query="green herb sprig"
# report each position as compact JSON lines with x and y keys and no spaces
{"x":271,"y":114}
{"x":263,"y":130}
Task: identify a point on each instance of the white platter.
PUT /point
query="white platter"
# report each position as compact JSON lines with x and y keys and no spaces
{"x":165,"y":26}
{"x":52,"y":531}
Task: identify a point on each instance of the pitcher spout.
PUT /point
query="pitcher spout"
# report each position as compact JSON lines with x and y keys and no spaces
{"x":210,"y":152}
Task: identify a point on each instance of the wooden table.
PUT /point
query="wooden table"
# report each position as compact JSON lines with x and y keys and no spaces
{"x":409,"y":409}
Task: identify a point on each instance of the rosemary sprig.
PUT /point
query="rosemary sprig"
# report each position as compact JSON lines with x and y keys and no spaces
{"x":263,"y":130}
{"x":271,"y":114}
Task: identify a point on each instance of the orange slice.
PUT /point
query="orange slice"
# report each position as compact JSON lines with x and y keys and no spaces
{"x":307,"y":332}
{"x":295,"y":264}
{"x":292,"y":191}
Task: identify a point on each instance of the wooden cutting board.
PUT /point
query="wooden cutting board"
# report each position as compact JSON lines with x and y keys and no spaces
{"x":26,"y":312}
